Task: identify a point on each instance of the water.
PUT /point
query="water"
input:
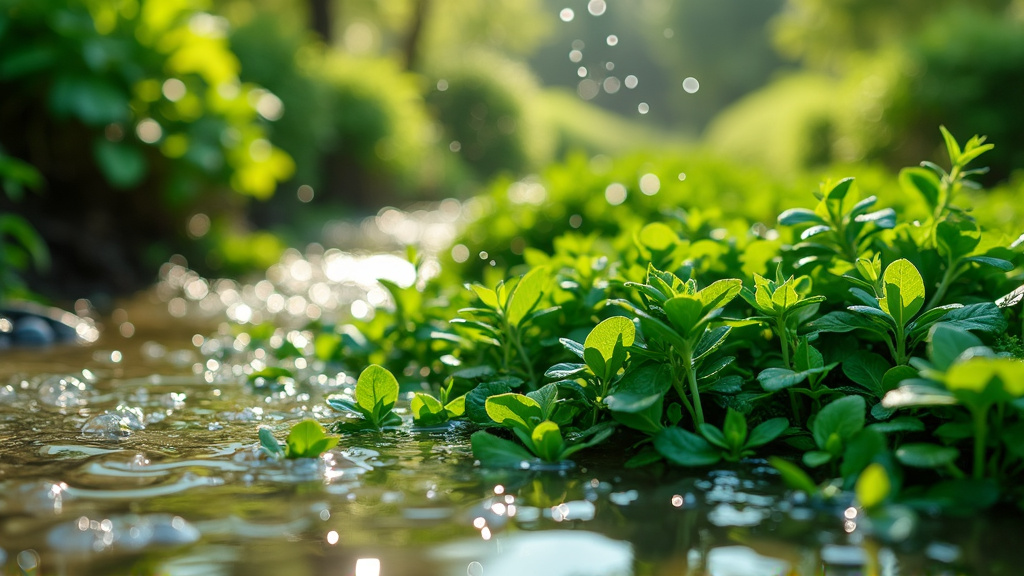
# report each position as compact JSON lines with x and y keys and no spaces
{"x":138,"y":455}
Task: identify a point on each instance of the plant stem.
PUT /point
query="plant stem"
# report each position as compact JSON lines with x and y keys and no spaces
{"x":947,"y":279}
{"x":677,"y":384}
{"x":526,"y":359}
{"x":794,"y":402}
{"x":980,"y":417}
{"x":691,"y":377}
{"x":901,"y":346}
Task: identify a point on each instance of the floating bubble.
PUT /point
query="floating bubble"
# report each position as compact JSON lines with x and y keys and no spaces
{"x":611,"y":85}
{"x":582,"y":72}
{"x":596,"y":7}
{"x":63,"y":391}
{"x":691,"y":85}
{"x":650,"y":184}
{"x":106,"y":427}
{"x":612,"y":40}
{"x":588,"y":89}
{"x":575,"y":55}
{"x":643,"y":108}
{"x":566,"y":15}
{"x":630,"y":81}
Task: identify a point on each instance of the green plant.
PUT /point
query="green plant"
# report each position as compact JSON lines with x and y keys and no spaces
{"x":430,"y":411}
{"x":503,"y":319}
{"x":376,"y":394}
{"x":890,"y":316}
{"x":677,"y":319}
{"x":305,"y":440}
{"x":731,"y":443}
{"x":960,"y":370}
{"x":603,"y":354}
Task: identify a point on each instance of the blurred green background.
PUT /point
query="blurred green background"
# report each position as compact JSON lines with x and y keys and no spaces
{"x":226,"y":130}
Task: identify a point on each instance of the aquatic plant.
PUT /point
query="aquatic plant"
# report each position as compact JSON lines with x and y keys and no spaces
{"x":376,"y":394}
{"x":306,"y":439}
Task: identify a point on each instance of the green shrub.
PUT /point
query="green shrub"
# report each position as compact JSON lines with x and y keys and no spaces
{"x":483,"y":105}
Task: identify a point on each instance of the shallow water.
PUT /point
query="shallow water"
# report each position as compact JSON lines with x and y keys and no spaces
{"x":138,"y":454}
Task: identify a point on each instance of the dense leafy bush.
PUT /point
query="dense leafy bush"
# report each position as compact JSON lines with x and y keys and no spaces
{"x":134,"y":114}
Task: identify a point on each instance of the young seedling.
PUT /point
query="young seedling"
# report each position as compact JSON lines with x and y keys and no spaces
{"x":603,"y":354}
{"x":529,"y":418}
{"x":890,"y":316}
{"x":503,"y":317}
{"x":305,"y":440}
{"x":676,"y":318}
{"x":430,"y":411}
{"x":376,"y":394}
{"x":839,"y":434}
{"x":832,"y":232}
{"x":730,"y":443}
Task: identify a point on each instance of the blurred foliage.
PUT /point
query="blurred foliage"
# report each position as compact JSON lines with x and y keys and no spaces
{"x":484,"y":107}
{"x":20,"y":243}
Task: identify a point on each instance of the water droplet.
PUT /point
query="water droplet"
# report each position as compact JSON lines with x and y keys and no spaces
{"x":612,"y":40}
{"x":575,"y":55}
{"x":609,"y":66}
{"x":643,"y":108}
{"x":596,"y":7}
{"x":631,"y":81}
{"x":691,"y":85}
{"x":475,"y":569}
{"x":588,"y":89}
{"x":566,"y":15}
{"x":106,"y":427}
{"x":615,"y":194}
{"x":581,"y":71}
{"x":611,"y":84}
{"x":650,"y":184}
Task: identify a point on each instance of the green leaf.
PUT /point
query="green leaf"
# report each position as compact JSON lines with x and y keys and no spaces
{"x":982,"y":316}
{"x":710,"y":341}
{"x":921,"y":181}
{"x":271,"y":373}
{"x":514,"y":411}
{"x":719,"y":293}
{"x":545,"y":396}
{"x":1006,"y":375}
{"x":713,"y":435}
{"x":639,"y":388}
{"x":867,"y":369}
{"x":816,"y":458}
{"x":376,"y":392}
{"x":657,"y":236}
{"x":685,"y":448}
{"x":873,"y":486}
{"x":605,"y":335}
{"x":526,"y":295}
{"x":796,"y":216}
{"x":684,"y":312}
{"x":956,"y":238}
{"x":863,"y":448}
{"x":307,"y":440}
{"x":427,"y":410}
{"x":487,"y":296}
{"x":952,"y":148}
{"x":839,"y":190}
{"x":270,"y":444}
{"x":456,"y":408}
{"x":841,"y":321}
{"x":899,"y":425}
{"x":923,"y":455}
{"x":775,"y":379}
{"x":947,"y":342}
{"x":793,"y":476}
{"x":766,"y":431}
{"x":565,"y":370}
{"x":342,"y":405}
{"x":904,"y":291}
{"x":498,"y":452}
{"x":547,"y":441}
{"x":844,"y":417}
{"x":735,"y":429}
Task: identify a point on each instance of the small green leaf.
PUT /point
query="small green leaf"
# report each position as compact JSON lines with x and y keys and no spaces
{"x":921,"y":181}
{"x":456,"y":408}
{"x":923,"y":455}
{"x":526,"y":295}
{"x":873,"y":486}
{"x":487,"y":296}
{"x":735,"y":429}
{"x":498,"y":452}
{"x":545,"y":396}
{"x":816,"y":458}
{"x":867,"y":369}
{"x":947,"y":342}
{"x":904,"y":291}
{"x":657,"y":236}
{"x":775,"y":379}
{"x":376,"y":392}
{"x":793,"y":476}
{"x":685,"y":448}
{"x":307,"y":440}
{"x":548,"y":442}
{"x":719,"y":293}
{"x":604,"y":336}
{"x":684,"y":312}
{"x":766,"y":431}
{"x":795,"y":216}
{"x":514,"y":411}
{"x":712,"y":434}
{"x":427,"y":410}
{"x":843,"y":417}
{"x":270,"y":444}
